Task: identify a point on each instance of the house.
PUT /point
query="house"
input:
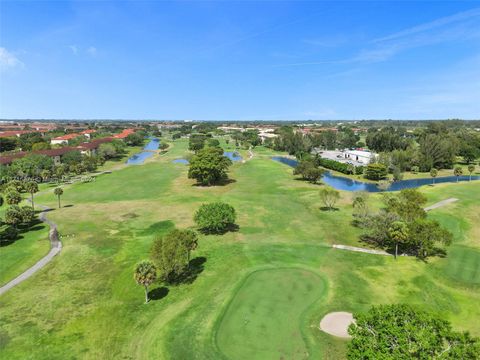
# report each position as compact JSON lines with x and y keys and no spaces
{"x":60,"y":140}
{"x":15,"y":133}
{"x":124,"y":134}
{"x":64,"y":139}
{"x":90,"y":148}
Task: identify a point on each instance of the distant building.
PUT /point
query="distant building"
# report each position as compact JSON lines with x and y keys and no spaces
{"x":124,"y":134}
{"x":360,"y":156}
{"x":65,"y":139}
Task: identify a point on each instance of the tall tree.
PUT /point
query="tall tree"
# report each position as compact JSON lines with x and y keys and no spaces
{"x":398,"y":234}
{"x":458,"y":172}
{"x":170,"y":255}
{"x":58,"y":192}
{"x":471,"y":169}
{"x":189,"y":239}
{"x":433,"y":174}
{"x":208,"y":166}
{"x":145,"y":274}
{"x":31,"y":187}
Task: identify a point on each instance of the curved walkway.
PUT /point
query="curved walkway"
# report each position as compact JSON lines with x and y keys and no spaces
{"x":440,"y":204}
{"x":55,"y":247}
{"x":358,"y":249}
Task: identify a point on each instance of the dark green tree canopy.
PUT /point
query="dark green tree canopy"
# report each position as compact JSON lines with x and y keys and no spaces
{"x":376,"y":171}
{"x":215,"y":218}
{"x":400,"y":332}
{"x":209,"y":166}
{"x":170,"y":255}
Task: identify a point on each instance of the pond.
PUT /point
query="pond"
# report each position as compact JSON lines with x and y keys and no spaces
{"x":233,"y":155}
{"x":139,"y":158}
{"x":180,"y":161}
{"x":153,"y":144}
{"x":347,"y":184}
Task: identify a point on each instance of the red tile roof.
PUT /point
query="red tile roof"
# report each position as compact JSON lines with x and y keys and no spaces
{"x":12,"y":133}
{"x":67,"y":137}
{"x":94,"y":143}
{"x":88,"y":132}
{"x":124,"y":134}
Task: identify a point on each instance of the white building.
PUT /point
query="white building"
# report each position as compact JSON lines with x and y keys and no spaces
{"x":360,"y":156}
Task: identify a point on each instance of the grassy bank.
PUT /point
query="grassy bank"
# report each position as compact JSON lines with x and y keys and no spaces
{"x":85,"y":304}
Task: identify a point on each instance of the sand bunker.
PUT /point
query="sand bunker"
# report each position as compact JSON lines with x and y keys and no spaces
{"x":336,"y":323}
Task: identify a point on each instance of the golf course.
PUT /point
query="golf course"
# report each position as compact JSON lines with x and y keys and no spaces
{"x":259,"y":292}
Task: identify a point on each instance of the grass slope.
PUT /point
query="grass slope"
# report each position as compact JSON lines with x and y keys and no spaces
{"x":85,"y":304}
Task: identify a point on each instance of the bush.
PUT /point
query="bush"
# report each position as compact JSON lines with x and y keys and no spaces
{"x":340,"y":167}
{"x":215,"y":218}
{"x":376,"y":172}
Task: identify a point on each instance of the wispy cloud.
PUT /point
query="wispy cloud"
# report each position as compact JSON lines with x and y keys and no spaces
{"x":74,"y":49}
{"x":462,"y":26}
{"x":447,"y":20}
{"x":8,"y":60}
{"x":92,"y":51}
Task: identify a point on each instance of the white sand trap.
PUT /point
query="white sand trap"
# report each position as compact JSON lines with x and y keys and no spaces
{"x":336,"y":323}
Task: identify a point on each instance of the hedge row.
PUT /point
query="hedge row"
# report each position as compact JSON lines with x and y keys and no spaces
{"x":340,"y":167}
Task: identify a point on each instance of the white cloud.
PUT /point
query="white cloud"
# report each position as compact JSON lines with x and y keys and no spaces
{"x":74,"y":49}
{"x":432,"y":25}
{"x":8,"y":60}
{"x":92,"y":51}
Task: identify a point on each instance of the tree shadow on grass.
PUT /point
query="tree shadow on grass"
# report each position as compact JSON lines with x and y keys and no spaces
{"x":222,"y":182}
{"x":195,"y":268}
{"x":68,"y":206}
{"x":158,"y":293}
{"x":326,"y":208}
{"x":9,"y":235}
{"x":229,"y":228}
{"x":158,"y":227}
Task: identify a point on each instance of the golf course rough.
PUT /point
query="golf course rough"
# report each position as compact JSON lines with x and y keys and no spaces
{"x":264,"y":320}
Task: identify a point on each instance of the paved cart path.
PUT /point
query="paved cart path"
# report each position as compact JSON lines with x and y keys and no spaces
{"x":55,"y":247}
{"x":440,"y":204}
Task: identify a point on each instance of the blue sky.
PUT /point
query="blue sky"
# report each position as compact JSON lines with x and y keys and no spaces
{"x":240,"y":60}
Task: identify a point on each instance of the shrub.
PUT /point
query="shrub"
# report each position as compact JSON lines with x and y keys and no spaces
{"x":376,"y":172}
{"x":340,"y":167}
{"x":215,"y":218}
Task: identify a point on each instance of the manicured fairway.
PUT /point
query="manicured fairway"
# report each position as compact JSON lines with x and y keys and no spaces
{"x":264,"y":319}
{"x":85,"y":303}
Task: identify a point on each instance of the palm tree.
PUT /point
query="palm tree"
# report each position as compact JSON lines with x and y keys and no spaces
{"x":58,"y":191}
{"x":458,"y":172}
{"x":433,"y":174}
{"x":145,"y":274}
{"x":471,"y":169}
{"x":32,"y":188}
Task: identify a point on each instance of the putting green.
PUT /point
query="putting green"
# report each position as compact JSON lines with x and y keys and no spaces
{"x":265,"y":318}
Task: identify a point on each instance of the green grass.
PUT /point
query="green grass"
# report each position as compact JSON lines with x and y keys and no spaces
{"x":263,"y":311}
{"x":25,"y":251}
{"x":85,"y":304}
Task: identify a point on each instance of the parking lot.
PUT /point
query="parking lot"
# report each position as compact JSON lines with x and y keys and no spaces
{"x":340,"y":157}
